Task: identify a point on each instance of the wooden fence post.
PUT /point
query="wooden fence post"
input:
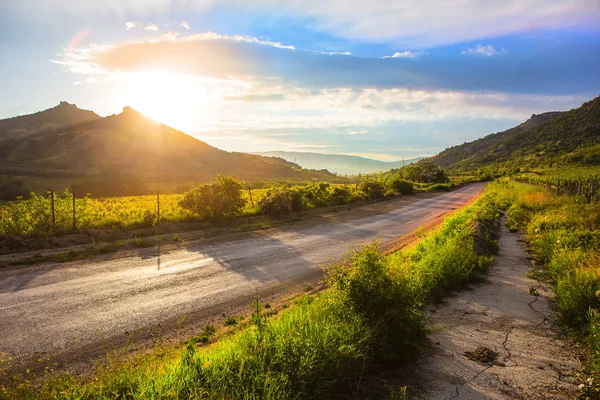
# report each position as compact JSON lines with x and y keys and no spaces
{"x":74,"y":220}
{"x":251,"y":200}
{"x":52,"y":206}
{"x":157,"y":207}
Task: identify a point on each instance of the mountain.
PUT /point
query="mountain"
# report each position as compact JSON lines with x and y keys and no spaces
{"x":125,"y":153}
{"x":338,"y":163}
{"x":544,"y":139}
{"x":62,"y":115}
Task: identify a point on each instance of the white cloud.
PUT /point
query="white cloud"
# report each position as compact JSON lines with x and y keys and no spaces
{"x":406,"y":54}
{"x":185,"y":24}
{"x":129,"y":25}
{"x":487,"y":50}
{"x":151,"y":27}
{"x":421,"y":23}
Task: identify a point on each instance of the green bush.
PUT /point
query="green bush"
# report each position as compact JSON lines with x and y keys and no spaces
{"x":372,"y":189}
{"x":402,"y":186}
{"x":390,"y":307}
{"x":341,"y":195}
{"x":576,"y":292}
{"x":281,"y":202}
{"x":217,"y":200}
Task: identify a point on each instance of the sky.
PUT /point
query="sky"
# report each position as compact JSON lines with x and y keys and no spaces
{"x":379,"y":78}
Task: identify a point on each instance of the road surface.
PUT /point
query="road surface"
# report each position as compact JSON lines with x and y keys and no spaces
{"x":51,"y":309}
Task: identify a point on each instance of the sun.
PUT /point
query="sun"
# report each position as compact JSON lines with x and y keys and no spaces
{"x":174,"y":99}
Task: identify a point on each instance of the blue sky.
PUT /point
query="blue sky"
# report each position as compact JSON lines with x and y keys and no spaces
{"x":381,"y":79}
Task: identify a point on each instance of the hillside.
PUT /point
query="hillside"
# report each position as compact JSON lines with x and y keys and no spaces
{"x":549,"y":138}
{"x":58,"y":117}
{"x":126,"y":153}
{"x":337,"y":163}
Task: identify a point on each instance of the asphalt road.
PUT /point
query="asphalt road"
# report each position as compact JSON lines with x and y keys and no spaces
{"x":53,"y":308}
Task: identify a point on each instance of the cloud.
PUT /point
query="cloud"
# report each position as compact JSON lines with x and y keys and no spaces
{"x":488,"y":50}
{"x":257,"y":98}
{"x":251,"y":59}
{"x":185,"y":24}
{"x":406,"y":54}
{"x":423,"y":23}
{"x":129,"y":25}
{"x":151,"y":27}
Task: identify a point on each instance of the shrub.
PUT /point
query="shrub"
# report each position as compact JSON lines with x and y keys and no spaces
{"x":372,"y":189}
{"x":341,"y":195}
{"x":217,"y":200}
{"x":576,"y":292}
{"x":390,"y":307}
{"x":281,"y":202}
{"x":402,"y":186}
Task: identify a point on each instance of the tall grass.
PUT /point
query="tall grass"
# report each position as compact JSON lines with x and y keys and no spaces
{"x":564,"y":235}
{"x":370,"y":315}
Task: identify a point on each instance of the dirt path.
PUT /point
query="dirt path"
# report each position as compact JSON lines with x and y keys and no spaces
{"x":498,"y":340}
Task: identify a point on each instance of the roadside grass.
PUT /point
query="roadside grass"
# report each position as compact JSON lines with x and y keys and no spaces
{"x":564,"y":235}
{"x":370,"y":316}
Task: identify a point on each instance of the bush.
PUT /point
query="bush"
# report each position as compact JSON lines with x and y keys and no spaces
{"x":389,"y":307}
{"x":216,"y":200}
{"x":372,"y":189}
{"x":402,"y":186}
{"x":281,"y":202}
{"x":341,"y":195}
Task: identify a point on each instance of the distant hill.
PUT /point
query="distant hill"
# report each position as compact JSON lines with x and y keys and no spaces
{"x":338,"y":163}
{"x":549,"y":138}
{"x":62,"y":115}
{"x":125,"y":153}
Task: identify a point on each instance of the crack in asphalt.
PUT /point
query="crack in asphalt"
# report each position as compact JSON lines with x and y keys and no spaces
{"x":469,"y":381}
{"x":506,"y":348}
{"x":536,"y":297}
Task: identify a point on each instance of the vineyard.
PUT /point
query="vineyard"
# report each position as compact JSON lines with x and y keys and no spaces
{"x":583,"y":182}
{"x":60,"y":213}
{"x":34,"y":216}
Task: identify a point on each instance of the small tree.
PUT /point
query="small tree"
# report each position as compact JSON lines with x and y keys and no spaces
{"x":412,"y":173}
{"x":281,"y":202}
{"x":372,"y":189}
{"x":216,"y":200}
{"x":402,"y":186}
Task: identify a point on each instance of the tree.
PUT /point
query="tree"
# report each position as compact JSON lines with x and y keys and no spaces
{"x":412,"y":172}
{"x":216,"y":200}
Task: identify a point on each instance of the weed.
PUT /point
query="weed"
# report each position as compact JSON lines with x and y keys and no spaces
{"x":231,"y":321}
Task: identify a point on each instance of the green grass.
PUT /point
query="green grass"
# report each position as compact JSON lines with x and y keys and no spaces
{"x":564,"y":235}
{"x":370,"y":316}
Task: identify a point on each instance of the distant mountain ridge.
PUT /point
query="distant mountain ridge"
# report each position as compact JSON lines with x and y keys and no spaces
{"x":337,"y":163}
{"x":553,"y":137}
{"x":78,"y":145}
{"x":64,"y":114}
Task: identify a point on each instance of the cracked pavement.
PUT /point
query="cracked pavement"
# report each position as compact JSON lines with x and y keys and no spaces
{"x":535,"y":360}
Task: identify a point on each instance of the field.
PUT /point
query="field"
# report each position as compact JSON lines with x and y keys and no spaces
{"x":58,"y":213}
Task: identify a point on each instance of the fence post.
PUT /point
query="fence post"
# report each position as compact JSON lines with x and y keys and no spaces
{"x":52,"y":206}
{"x":74,"y":220}
{"x":251,"y":201}
{"x":157,"y":207}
